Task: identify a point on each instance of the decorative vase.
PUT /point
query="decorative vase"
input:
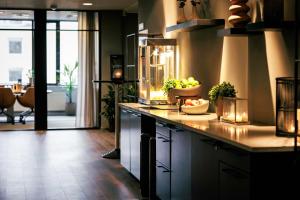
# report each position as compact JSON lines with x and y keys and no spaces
{"x":239,"y":17}
{"x":219,"y":107}
{"x":181,"y":16}
{"x":195,"y":15}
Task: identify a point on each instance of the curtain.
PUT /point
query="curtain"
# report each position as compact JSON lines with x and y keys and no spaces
{"x":87,"y":97}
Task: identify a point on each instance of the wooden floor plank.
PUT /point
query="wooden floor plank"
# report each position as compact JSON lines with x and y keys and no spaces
{"x":62,"y":165}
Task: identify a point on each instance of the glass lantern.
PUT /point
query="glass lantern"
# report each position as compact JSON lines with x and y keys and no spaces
{"x":285,"y":118}
{"x":235,"y":110}
{"x":157,"y":58}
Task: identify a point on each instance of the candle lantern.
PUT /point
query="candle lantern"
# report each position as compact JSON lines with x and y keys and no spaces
{"x":285,"y":113}
{"x":235,"y":110}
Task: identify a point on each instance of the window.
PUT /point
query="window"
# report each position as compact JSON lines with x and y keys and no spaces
{"x":62,"y":45}
{"x":15,"y":46}
{"x":15,"y":75}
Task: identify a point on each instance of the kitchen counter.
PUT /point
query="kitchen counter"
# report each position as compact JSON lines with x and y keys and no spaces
{"x":253,"y":138}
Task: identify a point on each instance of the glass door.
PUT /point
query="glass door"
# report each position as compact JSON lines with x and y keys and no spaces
{"x":67,"y":66}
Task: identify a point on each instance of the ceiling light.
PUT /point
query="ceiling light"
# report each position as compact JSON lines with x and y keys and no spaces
{"x":1,"y":12}
{"x":87,"y":4}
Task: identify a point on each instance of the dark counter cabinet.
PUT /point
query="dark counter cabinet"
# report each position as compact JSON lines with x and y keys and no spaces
{"x":130,"y":139}
{"x":175,"y":163}
{"x":172,"y":162}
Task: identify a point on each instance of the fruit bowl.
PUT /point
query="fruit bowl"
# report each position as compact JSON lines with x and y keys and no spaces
{"x":183,"y":92}
{"x":201,"y":108}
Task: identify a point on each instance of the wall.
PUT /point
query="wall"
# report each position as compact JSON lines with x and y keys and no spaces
{"x":114,"y":26}
{"x":251,"y":63}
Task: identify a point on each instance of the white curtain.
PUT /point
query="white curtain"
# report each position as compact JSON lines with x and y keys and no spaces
{"x":87,"y":97}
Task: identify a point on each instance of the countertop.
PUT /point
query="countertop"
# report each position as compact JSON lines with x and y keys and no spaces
{"x":253,"y":138}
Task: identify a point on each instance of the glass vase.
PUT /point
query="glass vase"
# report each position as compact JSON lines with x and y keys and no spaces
{"x":181,"y":16}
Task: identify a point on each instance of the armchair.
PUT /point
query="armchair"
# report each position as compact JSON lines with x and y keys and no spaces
{"x":7,"y":100}
{"x":27,"y":100}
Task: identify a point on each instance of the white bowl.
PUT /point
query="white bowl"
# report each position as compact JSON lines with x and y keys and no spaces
{"x":198,"y":109}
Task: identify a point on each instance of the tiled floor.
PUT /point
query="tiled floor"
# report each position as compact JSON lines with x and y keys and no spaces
{"x":61,"y":165}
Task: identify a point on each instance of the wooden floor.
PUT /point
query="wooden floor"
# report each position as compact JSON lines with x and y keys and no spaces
{"x":61,"y":165}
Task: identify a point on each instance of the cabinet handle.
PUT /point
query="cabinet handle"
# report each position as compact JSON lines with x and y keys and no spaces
{"x":136,"y":115}
{"x":234,"y":173}
{"x":163,"y":139}
{"x":177,"y":129}
{"x":165,"y":169}
{"x":216,"y":147}
{"x":161,"y":124}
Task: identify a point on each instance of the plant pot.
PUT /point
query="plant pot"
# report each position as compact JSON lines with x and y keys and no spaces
{"x":171,"y":97}
{"x":111,"y":125}
{"x":70,"y":109}
{"x":219,"y":107}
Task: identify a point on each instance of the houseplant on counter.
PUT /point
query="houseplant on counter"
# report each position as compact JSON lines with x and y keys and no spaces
{"x":68,"y":73}
{"x":216,"y":94}
{"x":185,"y":87}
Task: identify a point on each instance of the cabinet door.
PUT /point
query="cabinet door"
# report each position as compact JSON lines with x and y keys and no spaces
{"x":180,"y":164}
{"x":135,"y":143}
{"x":163,"y":147}
{"x":204,"y":168}
{"x":125,"y":138}
{"x":234,"y":183}
{"x":163,"y":189}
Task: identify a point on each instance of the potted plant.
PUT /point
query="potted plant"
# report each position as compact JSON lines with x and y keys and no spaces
{"x":68,"y":73}
{"x":109,"y":107}
{"x":30,"y":74}
{"x":185,"y":87}
{"x":216,"y":94}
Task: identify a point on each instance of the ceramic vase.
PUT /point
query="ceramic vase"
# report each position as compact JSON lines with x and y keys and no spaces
{"x":195,"y":15}
{"x":180,"y":15}
{"x":238,"y":10}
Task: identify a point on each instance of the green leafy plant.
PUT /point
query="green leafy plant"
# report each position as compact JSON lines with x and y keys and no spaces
{"x":109,"y":107}
{"x":178,"y":84}
{"x":68,"y":73}
{"x":170,"y":84}
{"x":224,"y":89}
{"x":130,"y":93}
{"x":30,"y":73}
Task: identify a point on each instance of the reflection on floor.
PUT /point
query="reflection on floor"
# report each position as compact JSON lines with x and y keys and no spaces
{"x":54,"y":122}
{"x":62,"y":165}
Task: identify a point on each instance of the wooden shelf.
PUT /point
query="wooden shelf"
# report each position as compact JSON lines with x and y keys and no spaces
{"x":255,"y":28}
{"x":270,"y":26}
{"x":242,"y":32}
{"x":195,"y":25}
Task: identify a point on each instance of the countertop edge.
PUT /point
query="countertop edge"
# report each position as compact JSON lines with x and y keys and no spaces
{"x":207,"y":134}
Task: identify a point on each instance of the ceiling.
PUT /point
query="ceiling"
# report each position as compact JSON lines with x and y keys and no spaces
{"x":127,"y":5}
